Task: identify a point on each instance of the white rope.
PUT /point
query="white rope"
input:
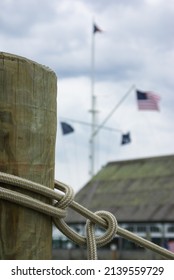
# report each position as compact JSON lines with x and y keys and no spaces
{"x":92,"y":241}
{"x":58,"y":211}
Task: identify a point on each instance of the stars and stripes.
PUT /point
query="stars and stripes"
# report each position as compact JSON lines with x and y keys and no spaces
{"x":147,"y":100}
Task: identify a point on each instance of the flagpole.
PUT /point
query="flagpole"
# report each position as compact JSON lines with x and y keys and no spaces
{"x":93,"y":105}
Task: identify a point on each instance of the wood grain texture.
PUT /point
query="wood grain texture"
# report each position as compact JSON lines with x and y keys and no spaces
{"x":28,"y":93}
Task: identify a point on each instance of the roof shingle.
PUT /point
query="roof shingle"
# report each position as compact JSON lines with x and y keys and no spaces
{"x":133,"y":190}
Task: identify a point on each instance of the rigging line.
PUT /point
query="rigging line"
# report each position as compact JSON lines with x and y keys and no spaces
{"x":113,"y":110}
{"x":89,"y":124}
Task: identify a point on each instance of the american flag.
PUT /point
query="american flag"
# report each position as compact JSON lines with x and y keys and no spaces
{"x":147,"y":100}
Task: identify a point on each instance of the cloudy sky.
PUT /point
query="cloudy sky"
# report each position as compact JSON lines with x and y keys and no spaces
{"x":136,"y":48}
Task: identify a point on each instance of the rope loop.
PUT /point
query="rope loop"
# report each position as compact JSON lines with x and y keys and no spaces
{"x":90,"y":240}
{"x":57,"y":210}
{"x":68,"y":197}
{"x":112,"y":227}
{"x":98,"y":241}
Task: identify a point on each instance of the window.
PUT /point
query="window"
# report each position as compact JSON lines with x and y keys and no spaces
{"x":154,"y":229}
{"x":130,"y":228}
{"x":141,"y":228}
{"x":171,"y":229}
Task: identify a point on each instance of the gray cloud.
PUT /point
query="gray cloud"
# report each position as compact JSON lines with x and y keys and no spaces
{"x":136,"y":47}
{"x":18,"y":18}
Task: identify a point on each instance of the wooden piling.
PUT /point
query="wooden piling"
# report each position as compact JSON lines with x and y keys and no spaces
{"x":28,"y":93}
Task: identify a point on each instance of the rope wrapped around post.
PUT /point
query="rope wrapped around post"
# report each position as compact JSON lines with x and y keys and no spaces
{"x":58,"y":212}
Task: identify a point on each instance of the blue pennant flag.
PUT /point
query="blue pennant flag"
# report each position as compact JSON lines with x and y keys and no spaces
{"x":66,"y":128}
{"x":96,"y":29}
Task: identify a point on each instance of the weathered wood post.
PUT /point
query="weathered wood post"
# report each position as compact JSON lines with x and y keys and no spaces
{"x":28,"y":93}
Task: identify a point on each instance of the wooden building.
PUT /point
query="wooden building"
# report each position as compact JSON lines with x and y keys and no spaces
{"x":140,"y":193}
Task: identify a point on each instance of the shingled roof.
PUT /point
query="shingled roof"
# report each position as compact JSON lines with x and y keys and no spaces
{"x":140,"y":190}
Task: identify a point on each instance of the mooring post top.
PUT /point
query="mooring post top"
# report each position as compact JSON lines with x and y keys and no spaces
{"x":5,"y":55}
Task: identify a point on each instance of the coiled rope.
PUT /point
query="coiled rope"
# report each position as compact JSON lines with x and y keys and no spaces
{"x":58,"y":211}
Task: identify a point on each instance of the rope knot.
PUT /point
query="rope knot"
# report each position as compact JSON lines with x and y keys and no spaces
{"x":98,"y":241}
{"x":68,"y":197}
{"x":58,"y":212}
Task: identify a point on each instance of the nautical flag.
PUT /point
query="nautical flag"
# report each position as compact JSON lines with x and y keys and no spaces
{"x":147,"y":100}
{"x":66,"y":128}
{"x":125,"y":139}
{"x":96,"y":28}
